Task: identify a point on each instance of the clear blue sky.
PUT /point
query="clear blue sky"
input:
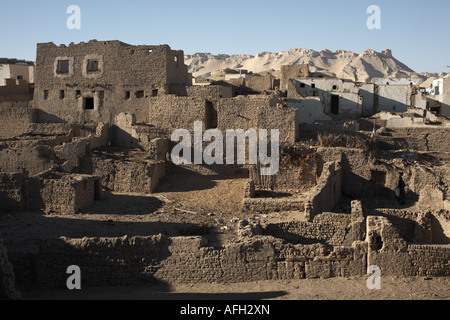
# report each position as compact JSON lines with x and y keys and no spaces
{"x":416,"y":31}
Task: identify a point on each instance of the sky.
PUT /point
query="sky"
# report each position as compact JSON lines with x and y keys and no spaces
{"x":416,"y":31}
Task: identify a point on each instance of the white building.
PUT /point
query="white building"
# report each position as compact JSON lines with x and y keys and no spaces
{"x":19,"y":71}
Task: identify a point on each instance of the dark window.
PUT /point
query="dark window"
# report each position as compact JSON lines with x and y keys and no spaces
{"x":155,"y":93}
{"x":62,"y":94}
{"x":63,"y":67}
{"x":19,"y":78}
{"x":45,"y":94}
{"x":92,"y":66}
{"x":302,"y":85}
{"x":313,"y":85}
{"x":127,"y":95}
{"x":89,"y":103}
{"x":335,"y":87}
{"x":78,"y":94}
{"x":139,"y":94}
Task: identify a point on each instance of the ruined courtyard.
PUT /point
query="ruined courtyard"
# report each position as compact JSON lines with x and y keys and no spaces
{"x":87,"y":179}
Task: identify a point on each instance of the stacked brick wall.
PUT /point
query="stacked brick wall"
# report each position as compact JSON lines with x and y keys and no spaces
{"x":127,"y":77}
{"x":430,"y":260}
{"x":15,"y":121}
{"x":124,"y":176}
{"x":302,"y":232}
{"x":138,"y":260}
{"x":327,"y":193}
{"x":174,"y":112}
{"x":258,"y":112}
{"x":61,"y":194}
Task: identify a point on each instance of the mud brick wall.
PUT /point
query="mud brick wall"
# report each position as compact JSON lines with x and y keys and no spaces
{"x":327,"y":193}
{"x":412,"y":226}
{"x":267,"y":205}
{"x":103,"y":261}
{"x":174,"y":112}
{"x":319,"y":231}
{"x":15,"y":121}
{"x":430,"y":260}
{"x":127,"y":77}
{"x":12,"y":194}
{"x":135,"y":176}
{"x":258,"y":112}
{"x":291,"y":177}
{"x":126,"y":133}
{"x":418,"y":139}
{"x":65,"y":194}
{"x":211,"y":92}
{"x":138,"y":260}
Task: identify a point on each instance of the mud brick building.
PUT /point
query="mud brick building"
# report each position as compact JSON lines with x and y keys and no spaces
{"x":95,"y":81}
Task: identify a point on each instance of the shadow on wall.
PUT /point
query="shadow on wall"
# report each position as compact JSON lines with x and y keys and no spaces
{"x":44,"y":117}
{"x":439,"y":235}
{"x":124,"y":139}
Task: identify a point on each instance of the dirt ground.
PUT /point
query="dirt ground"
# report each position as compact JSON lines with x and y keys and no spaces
{"x":392,"y":288}
{"x":192,"y":204}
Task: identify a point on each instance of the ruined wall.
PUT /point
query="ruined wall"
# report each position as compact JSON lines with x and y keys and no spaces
{"x":127,"y":134}
{"x":321,"y":198}
{"x":356,"y":167}
{"x":34,"y":159}
{"x":327,"y":193}
{"x":267,"y":205}
{"x":174,"y":112}
{"x":12,"y":194}
{"x":61,"y":193}
{"x":15,"y":121}
{"x":396,"y":258}
{"x":126,"y":77}
{"x":124,"y":175}
{"x":258,"y":112}
{"x":418,"y":139}
{"x":303,"y":232}
{"x":209,"y":92}
{"x":430,"y":260}
{"x":290,"y":177}
{"x":158,"y":259}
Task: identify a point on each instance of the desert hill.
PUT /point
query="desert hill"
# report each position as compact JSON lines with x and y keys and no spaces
{"x":345,"y":64}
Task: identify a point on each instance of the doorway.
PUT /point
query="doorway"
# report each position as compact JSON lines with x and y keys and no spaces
{"x":334,"y":104}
